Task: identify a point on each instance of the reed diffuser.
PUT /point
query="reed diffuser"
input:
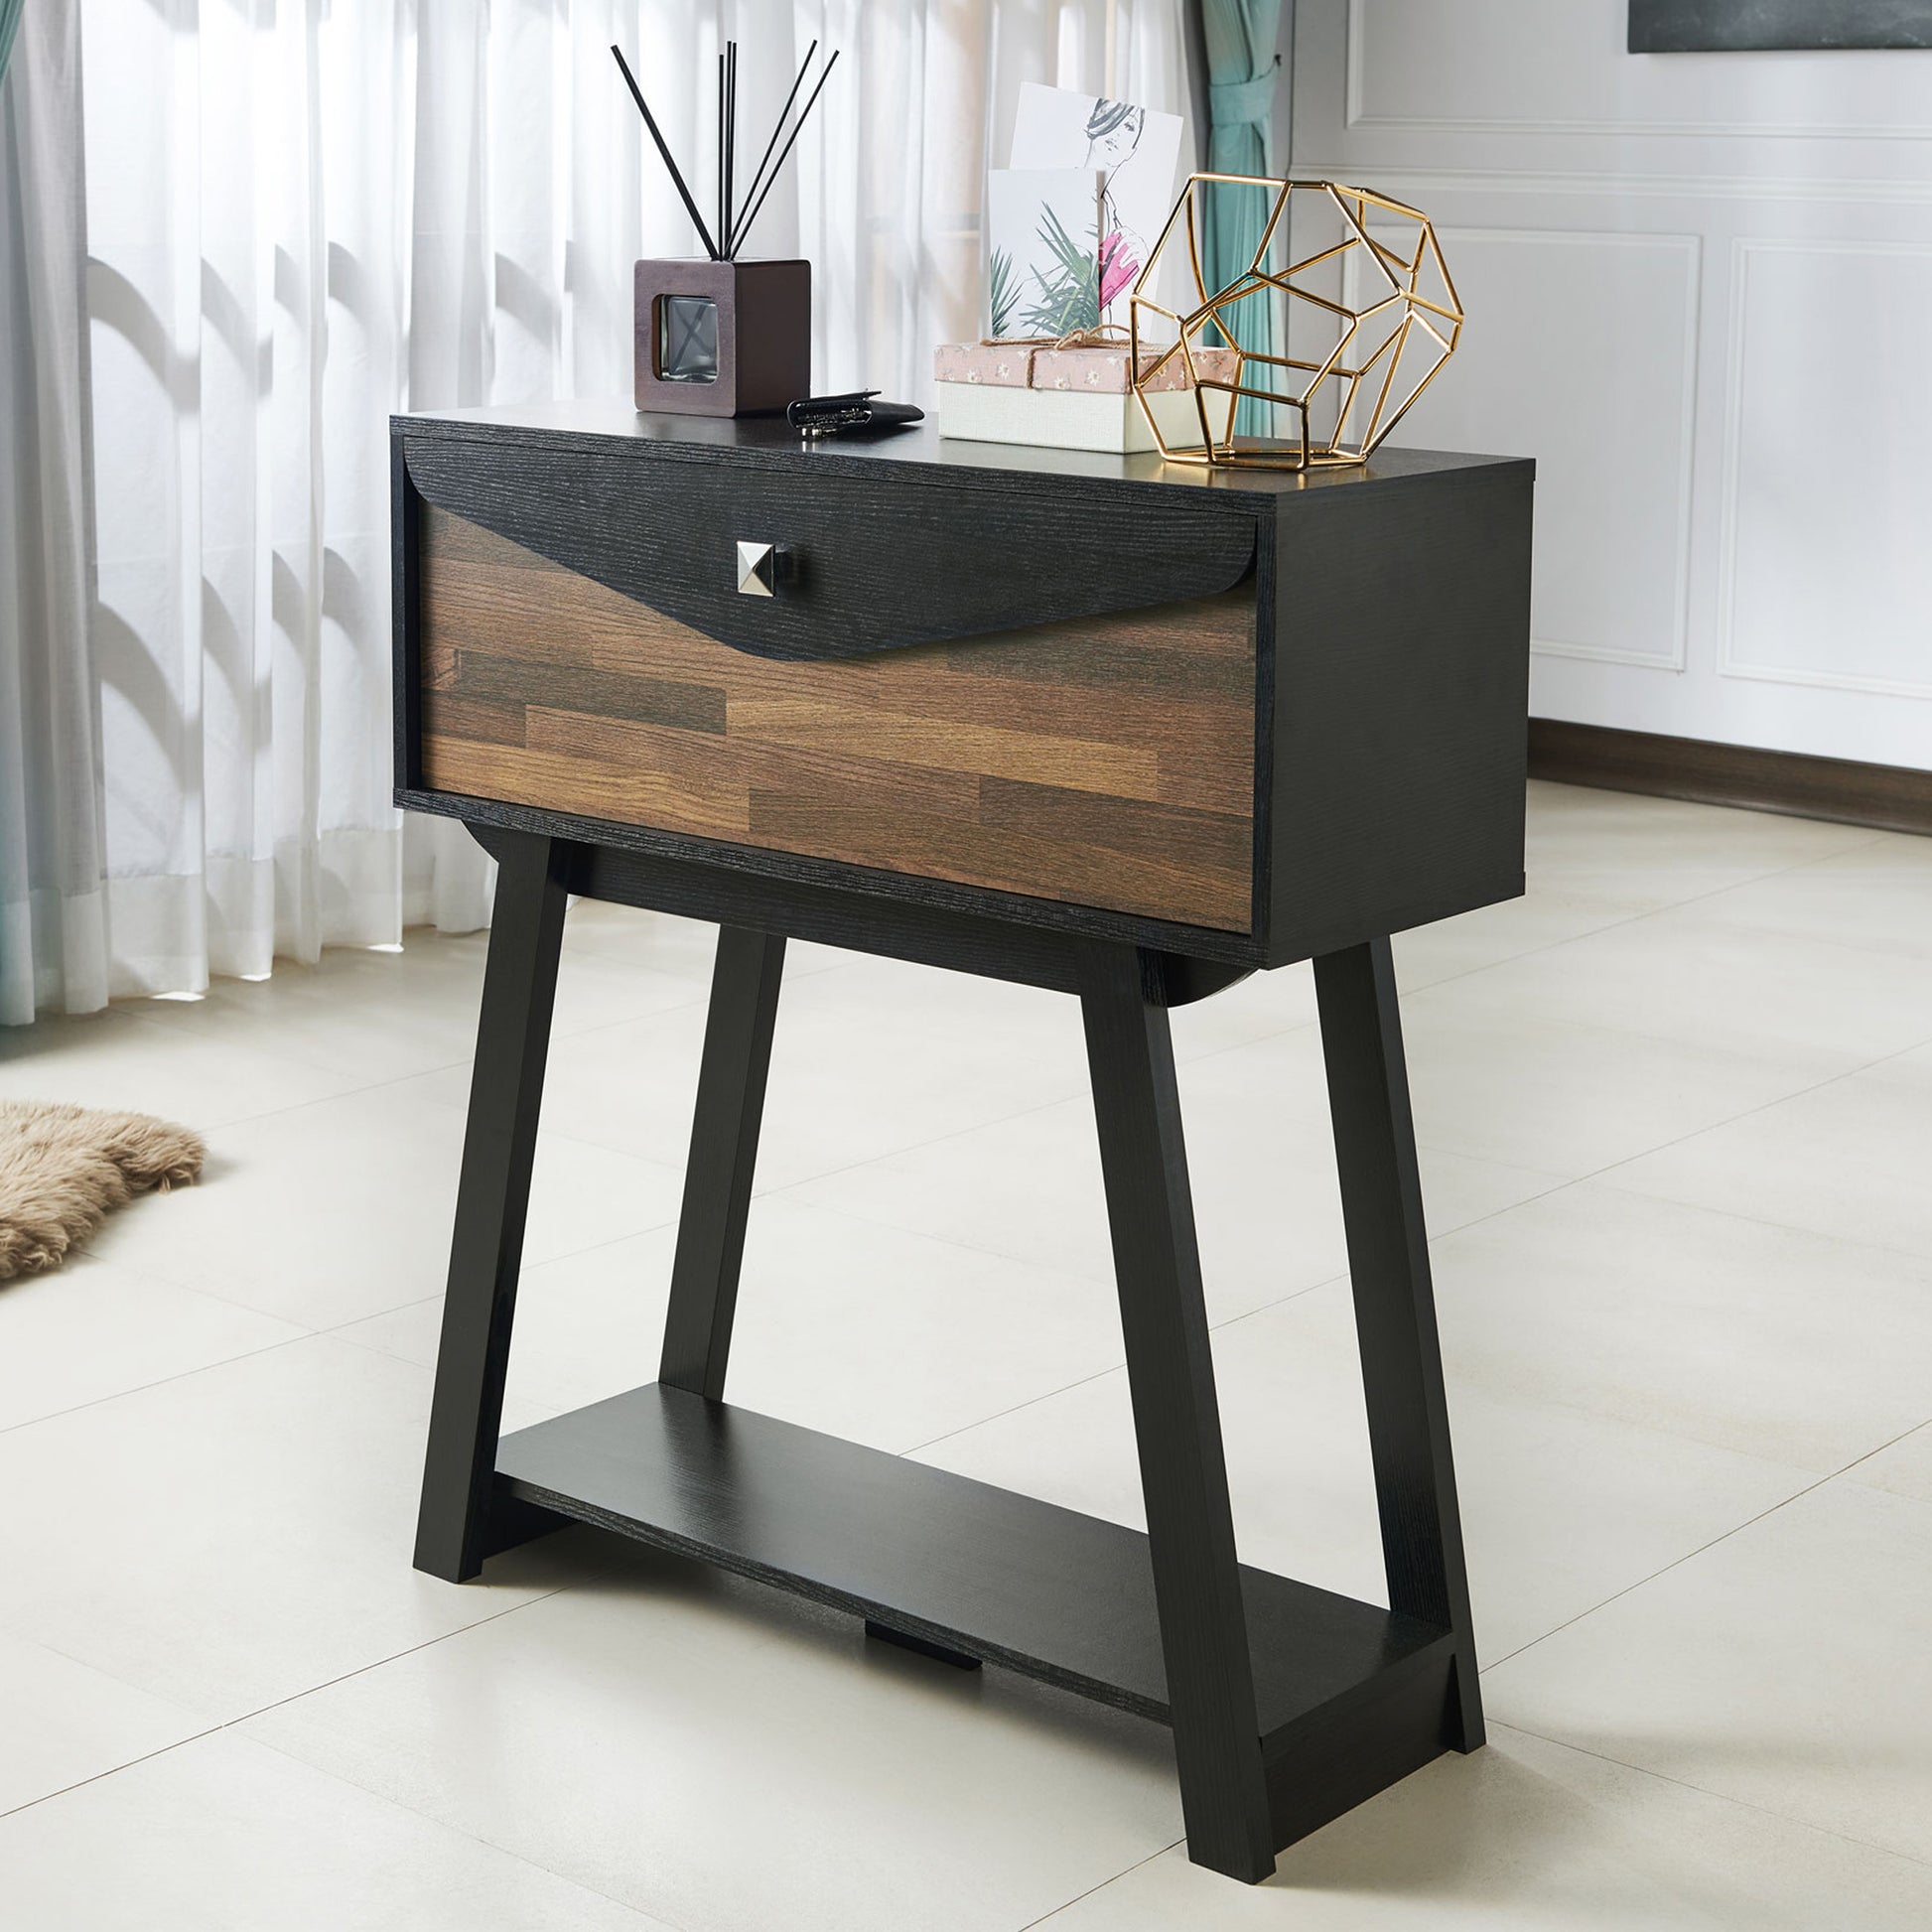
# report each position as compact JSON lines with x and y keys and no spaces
{"x":721,"y":336}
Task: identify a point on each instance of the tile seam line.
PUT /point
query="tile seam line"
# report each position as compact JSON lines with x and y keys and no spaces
{"x":548,"y":1400}
{"x":170,"y":1031}
{"x":1855,"y":1243}
{"x":1558,"y":1183}
{"x":590,"y":1574}
{"x":1676,"y":1043}
{"x":160,"y":1028}
{"x":1533,"y":952}
{"x":164,"y":1381}
{"x":647,"y":1921}
{"x":1613,"y":925}
{"x":113,"y":1770}
{"x":1661,"y":912}
{"x":1559,"y":1186}
{"x":1749,"y":1113}
{"x":1723,"y":1797}
{"x":1068,"y":1904}
{"x":1633,"y":918}
{"x":1736,"y":1528}
{"x":294,"y":1697}
{"x":127,"y":1006}
{"x":377,"y":1086}
{"x":1562,"y":1187}
{"x":918,"y":1448}
{"x":1114,"y":1367}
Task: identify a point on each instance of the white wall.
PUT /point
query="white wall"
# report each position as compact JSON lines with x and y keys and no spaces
{"x":1700,"y":293}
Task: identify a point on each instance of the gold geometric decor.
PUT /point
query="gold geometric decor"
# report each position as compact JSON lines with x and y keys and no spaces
{"x":1372,"y":317}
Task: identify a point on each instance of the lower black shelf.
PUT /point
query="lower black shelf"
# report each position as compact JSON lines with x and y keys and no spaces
{"x":1047,"y":1592}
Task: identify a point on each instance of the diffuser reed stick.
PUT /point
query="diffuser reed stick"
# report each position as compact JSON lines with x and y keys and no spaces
{"x":677,"y":180}
{"x":731,"y":230}
{"x":785,"y":154}
{"x":750,"y":193}
{"x":729,"y":133}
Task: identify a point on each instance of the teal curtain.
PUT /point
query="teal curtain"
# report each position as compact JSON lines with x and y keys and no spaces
{"x":10,"y":12}
{"x":1241,"y":37}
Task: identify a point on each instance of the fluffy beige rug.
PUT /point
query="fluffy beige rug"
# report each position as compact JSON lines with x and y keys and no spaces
{"x":62,"y":1167}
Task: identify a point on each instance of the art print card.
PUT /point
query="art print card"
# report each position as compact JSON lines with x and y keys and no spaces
{"x":1134,"y":150}
{"x":1044,"y":273}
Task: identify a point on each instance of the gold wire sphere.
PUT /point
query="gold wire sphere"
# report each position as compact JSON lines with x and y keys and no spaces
{"x":1382,"y":291}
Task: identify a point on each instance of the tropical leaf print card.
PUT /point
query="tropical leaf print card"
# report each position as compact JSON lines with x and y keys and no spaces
{"x":1134,"y":151}
{"x":1043,"y":264}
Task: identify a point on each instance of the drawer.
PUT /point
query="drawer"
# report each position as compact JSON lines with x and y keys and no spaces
{"x":880,"y":561}
{"x":1100,"y":757}
{"x":1237,"y":715}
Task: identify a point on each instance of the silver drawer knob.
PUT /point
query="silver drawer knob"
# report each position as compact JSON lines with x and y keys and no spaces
{"x":761,"y":568}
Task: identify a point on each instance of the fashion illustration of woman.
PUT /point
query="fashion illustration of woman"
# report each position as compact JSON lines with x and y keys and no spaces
{"x":1113,"y":138}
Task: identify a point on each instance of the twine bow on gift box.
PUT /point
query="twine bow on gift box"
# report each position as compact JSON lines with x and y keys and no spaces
{"x":1105,"y":335}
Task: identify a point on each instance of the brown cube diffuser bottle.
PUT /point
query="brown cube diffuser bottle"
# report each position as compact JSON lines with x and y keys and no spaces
{"x":723,"y":337}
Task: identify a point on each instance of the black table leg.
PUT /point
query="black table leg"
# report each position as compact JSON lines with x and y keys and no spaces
{"x":724,"y":1154}
{"x":455,"y":1530}
{"x":1177,"y":1419}
{"x":1395,"y":1308}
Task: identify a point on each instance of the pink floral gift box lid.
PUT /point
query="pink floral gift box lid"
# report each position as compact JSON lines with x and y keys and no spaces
{"x":1039,"y":365}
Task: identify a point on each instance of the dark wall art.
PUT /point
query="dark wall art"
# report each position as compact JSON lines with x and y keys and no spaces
{"x":1743,"y":26}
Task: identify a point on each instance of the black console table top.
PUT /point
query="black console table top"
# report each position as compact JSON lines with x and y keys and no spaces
{"x":593,"y":424}
{"x":1121,"y":728}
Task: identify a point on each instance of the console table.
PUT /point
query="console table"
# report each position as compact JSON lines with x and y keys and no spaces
{"x":1091,"y":722}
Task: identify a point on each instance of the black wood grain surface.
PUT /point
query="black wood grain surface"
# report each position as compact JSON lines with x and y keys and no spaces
{"x":723,"y":1162}
{"x":1055,"y":1594}
{"x":1198,"y":1581}
{"x":884,"y":560}
{"x":1395,"y":1307}
{"x":1332,"y":1760}
{"x":454,"y":1531}
{"x":1401,"y":670}
{"x":1392,"y":651}
{"x":890,"y":926}
{"x":405,"y":584}
{"x":592,"y":423}
{"x":822,"y":891}
{"x":1389,"y":664}
{"x":1101,"y":761}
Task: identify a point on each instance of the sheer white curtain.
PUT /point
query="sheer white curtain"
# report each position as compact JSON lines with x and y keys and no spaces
{"x":299,"y":217}
{"x":52,"y":902}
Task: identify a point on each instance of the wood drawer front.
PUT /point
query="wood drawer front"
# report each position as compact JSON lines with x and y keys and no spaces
{"x":882,"y":560}
{"x":1104,"y":762}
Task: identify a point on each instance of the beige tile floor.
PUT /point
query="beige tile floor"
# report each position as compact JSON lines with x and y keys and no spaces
{"x":1676,"y":1114}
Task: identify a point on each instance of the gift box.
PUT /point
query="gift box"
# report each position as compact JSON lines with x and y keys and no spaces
{"x":1073,"y":398}
{"x":1100,"y":369}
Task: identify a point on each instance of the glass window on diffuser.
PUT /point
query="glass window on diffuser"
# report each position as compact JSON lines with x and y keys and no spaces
{"x":687,"y":338}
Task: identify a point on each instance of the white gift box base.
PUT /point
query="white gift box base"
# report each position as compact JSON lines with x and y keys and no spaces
{"x":1074,"y":419}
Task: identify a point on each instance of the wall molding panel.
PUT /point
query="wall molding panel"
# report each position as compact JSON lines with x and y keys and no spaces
{"x":1849,"y":192}
{"x":1733,"y":498}
{"x":1811,"y":459}
{"x":1576,"y":582}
